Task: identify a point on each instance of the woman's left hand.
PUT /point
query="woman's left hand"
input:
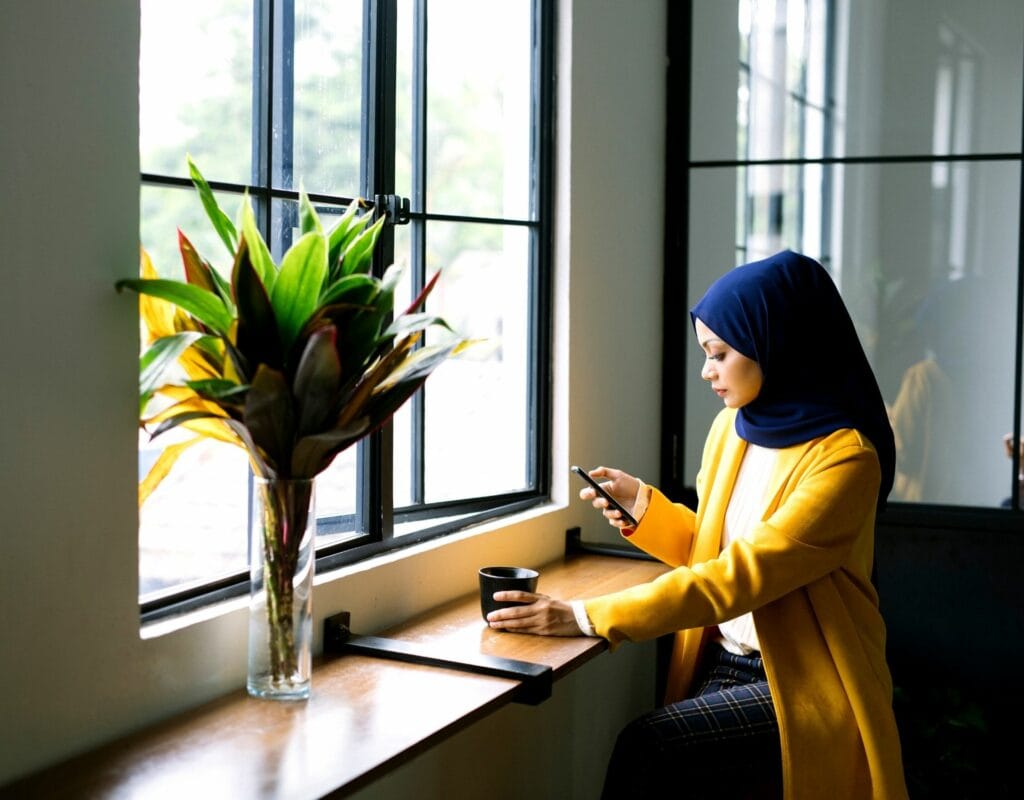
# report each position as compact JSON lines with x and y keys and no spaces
{"x":544,"y":615}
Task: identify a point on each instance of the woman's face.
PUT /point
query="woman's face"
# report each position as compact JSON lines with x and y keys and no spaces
{"x":733,"y":377}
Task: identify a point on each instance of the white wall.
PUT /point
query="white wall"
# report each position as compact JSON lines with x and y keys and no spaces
{"x":75,"y":670}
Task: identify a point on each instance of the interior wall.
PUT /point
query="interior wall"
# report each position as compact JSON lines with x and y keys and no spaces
{"x":79,"y":671}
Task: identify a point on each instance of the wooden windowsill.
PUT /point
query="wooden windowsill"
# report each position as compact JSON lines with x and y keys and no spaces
{"x":365,"y":716}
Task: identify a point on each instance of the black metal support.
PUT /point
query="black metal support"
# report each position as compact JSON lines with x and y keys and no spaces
{"x":574,"y":544}
{"x":535,"y":680}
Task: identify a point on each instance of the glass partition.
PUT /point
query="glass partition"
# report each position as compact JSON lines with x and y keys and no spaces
{"x":835,"y":78}
{"x":925,"y":256}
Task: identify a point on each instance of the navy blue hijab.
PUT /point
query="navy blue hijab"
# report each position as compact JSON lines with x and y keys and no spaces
{"x":785,"y":313}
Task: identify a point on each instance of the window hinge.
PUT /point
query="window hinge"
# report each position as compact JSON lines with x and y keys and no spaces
{"x":395,"y":207}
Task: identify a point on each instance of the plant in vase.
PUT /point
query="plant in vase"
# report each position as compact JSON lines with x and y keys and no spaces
{"x":294,"y":363}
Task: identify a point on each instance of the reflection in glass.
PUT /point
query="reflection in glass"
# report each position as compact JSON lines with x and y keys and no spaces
{"x":195,"y":87}
{"x":931,"y":285}
{"x":327,"y":110}
{"x":478,"y":138}
{"x":476,"y":407}
{"x":816,"y":78}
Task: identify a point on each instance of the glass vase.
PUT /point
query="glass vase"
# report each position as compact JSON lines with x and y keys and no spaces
{"x":281,"y":559}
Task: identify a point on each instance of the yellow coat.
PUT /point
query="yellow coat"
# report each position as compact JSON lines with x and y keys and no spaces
{"x":804,"y":571}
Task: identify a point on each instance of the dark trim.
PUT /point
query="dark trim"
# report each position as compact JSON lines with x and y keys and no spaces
{"x":894,"y":159}
{"x":1016,"y":501}
{"x":675,"y":328}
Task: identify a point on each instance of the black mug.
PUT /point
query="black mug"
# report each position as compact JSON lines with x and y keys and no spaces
{"x":500,"y":579}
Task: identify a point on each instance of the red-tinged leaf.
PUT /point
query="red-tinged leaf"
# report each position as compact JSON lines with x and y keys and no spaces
{"x":313,"y":454}
{"x":259,"y":253}
{"x":197,"y":271}
{"x":257,"y":337}
{"x":354,"y":402}
{"x":416,"y":365}
{"x":421,"y":298}
{"x":261,"y":465}
{"x":316,"y":381}
{"x":269,"y":415}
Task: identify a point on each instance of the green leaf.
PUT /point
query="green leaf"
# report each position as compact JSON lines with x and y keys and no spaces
{"x":259,"y":253}
{"x":221,"y":222}
{"x":257,"y":336}
{"x":206,"y":307}
{"x":341,"y":234}
{"x":309,"y":221}
{"x":356,"y":256}
{"x":218,"y":389}
{"x":316,"y":381}
{"x":354,"y":289}
{"x":295,"y":295}
{"x":160,"y":356}
{"x":269,"y":415}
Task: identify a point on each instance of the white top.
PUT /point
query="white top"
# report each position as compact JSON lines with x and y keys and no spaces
{"x":746,"y":508}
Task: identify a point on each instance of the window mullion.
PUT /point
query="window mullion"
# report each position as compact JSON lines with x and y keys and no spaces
{"x":418,"y":231}
{"x":377,"y":177}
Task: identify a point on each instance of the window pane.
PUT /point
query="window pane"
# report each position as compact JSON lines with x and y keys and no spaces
{"x":165,"y":209}
{"x":404,"y":120}
{"x":328,"y":97}
{"x":195,"y":87}
{"x":476,"y":407}
{"x":193,"y":528}
{"x":892,"y":78}
{"x":478,"y":96}
{"x":928,"y":269}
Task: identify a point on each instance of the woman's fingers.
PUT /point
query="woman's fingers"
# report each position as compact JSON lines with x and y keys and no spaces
{"x":542,"y":616}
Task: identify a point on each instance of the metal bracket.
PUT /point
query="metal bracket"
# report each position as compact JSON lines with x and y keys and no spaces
{"x":395,"y":207}
{"x":535,"y":680}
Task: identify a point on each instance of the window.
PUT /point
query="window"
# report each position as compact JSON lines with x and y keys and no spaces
{"x":438,"y":110}
{"x":885,"y":141}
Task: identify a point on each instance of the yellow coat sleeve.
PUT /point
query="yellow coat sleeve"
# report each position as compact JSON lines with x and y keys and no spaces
{"x":808,"y":535}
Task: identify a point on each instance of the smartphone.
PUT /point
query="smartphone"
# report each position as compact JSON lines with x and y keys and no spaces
{"x":603,"y":492}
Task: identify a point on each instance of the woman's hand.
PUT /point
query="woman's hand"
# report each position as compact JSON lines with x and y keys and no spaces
{"x":620,"y":485}
{"x":544,"y":615}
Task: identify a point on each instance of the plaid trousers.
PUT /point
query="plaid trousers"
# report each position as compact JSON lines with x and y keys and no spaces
{"x":722,"y":742}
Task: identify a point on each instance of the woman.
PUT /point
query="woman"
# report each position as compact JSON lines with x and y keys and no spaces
{"x":778,"y":684}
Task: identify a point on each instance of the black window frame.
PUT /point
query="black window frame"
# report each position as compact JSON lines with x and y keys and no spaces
{"x":375,"y":518}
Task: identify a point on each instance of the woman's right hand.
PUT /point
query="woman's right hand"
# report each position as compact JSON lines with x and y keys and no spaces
{"x":620,"y":485}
